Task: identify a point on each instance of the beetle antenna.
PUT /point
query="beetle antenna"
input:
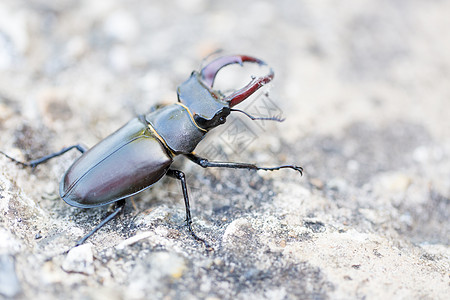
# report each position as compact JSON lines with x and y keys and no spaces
{"x":275,"y":118}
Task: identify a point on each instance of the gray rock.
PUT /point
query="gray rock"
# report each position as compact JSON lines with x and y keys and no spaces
{"x":9,"y":283}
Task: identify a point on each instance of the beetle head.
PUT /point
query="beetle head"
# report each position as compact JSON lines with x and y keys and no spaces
{"x":209,"y":107}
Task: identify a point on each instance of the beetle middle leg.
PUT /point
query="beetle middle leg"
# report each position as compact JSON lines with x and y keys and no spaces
{"x":44,"y":159}
{"x":203,"y":162}
{"x":180,"y":176}
{"x":118,"y":208}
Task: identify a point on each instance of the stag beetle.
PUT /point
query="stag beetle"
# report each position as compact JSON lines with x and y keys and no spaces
{"x":141,"y":152}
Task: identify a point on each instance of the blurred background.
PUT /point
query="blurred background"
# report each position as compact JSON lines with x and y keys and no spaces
{"x":335,"y":63}
{"x":363,"y":87}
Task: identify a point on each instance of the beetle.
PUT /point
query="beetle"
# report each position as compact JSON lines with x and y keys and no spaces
{"x":141,"y":152}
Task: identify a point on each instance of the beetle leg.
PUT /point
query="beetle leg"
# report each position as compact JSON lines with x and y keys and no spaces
{"x":203,"y":162}
{"x":119,"y":207}
{"x":180,"y":176}
{"x":41,"y":160}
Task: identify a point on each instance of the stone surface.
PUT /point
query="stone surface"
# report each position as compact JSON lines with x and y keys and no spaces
{"x":363,"y":85}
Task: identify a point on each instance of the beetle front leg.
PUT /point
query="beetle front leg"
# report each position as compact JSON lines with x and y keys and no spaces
{"x":203,"y":162}
{"x":180,"y":176}
{"x":41,"y":160}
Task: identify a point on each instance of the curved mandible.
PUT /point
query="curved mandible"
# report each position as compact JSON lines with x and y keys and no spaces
{"x":209,"y":72}
{"x":254,"y":85}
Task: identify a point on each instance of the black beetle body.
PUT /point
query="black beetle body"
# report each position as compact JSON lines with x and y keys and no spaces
{"x":123,"y":164}
{"x":141,"y":152}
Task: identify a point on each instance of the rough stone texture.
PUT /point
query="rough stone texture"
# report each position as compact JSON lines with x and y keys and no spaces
{"x":363,"y":85}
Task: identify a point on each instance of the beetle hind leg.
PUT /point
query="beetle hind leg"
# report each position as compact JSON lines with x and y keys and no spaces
{"x":41,"y":160}
{"x":180,"y":176}
{"x":119,"y":207}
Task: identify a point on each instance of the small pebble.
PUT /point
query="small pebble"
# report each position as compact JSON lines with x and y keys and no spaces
{"x":80,"y":260}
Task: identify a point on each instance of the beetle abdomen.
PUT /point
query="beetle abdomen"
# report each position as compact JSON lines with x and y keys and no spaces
{"x":125,"y":163}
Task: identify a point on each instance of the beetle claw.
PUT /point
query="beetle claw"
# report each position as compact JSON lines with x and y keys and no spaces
{"x":254,"y":85}
{"x":209,"y":72}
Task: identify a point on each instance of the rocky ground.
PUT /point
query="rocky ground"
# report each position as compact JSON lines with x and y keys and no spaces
{"x":363,"y":85}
